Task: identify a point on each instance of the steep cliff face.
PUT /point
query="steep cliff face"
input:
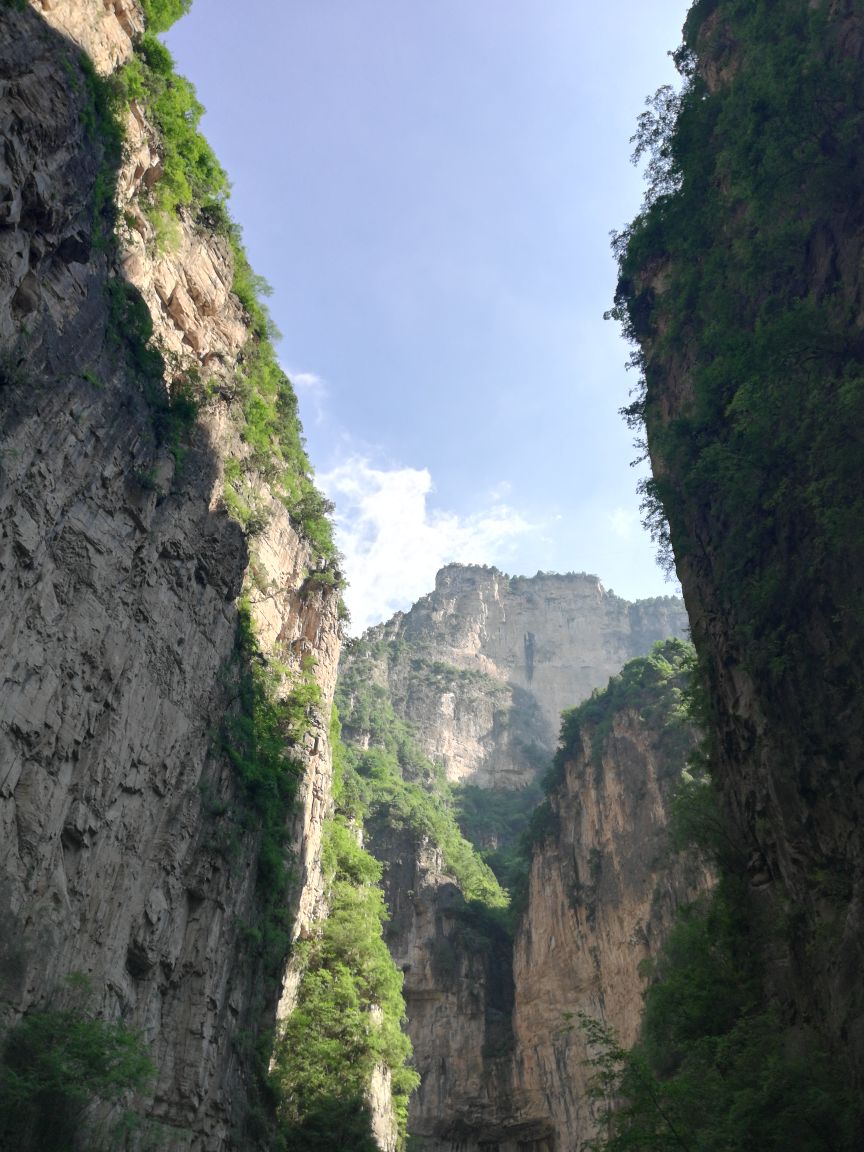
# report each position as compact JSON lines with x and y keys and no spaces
{"x":474,"y":672}
{"x":742,"y":283}
{"x":129,"y":851}
{"x":526,"y":648}
{"x":604,"y":889}
{"x":458,"y":991}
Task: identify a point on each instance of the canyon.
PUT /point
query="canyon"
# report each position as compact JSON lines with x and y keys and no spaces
{"x":480,"y":671}
{"x":197,"y":862}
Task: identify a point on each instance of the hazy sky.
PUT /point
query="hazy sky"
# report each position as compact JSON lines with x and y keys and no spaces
{"x":429,"y":186}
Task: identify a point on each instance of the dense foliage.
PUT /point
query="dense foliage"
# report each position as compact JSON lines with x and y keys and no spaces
{"x":718,"y":1068}
{"x":732,"y":281}
{"x":496,"y":823}
{"x":658,"y":687}
{"x":655,"y":686}
{"x":54,"y":1067}
{"x":393,"y":776}
{"x":259,"y":737}
{"x":159,"y":15}
{"x":190,"y":176}
{"x":740,"y":284}
{"x":347,"y":1020}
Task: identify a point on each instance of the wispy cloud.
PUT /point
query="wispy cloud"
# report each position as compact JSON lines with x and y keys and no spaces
{"x":313,"y":394}
{"x":624,"y":522}
{"x":394,"y":543}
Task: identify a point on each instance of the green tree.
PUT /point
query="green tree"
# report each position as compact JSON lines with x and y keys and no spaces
{"x":54,"y":1066}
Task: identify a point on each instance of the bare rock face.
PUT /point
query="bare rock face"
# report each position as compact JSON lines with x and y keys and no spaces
{"x":495,"y":1021}
{"x":527,"y":648}
{"x":603,"y":892}
{"x":480,"y":669}
{"x":104,"y":29}
{"x":458,"y":993}
{"x":122,"y":857}
{"x":383,"y":1124}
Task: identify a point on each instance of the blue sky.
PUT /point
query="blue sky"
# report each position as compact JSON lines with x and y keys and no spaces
{"x":429,"y":187}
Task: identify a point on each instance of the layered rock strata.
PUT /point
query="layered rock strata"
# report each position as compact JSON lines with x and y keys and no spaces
{"x":480,"y":670}
{"x":604,"y":889}
{"x":121,"y":855}
{"x":527,"y":648}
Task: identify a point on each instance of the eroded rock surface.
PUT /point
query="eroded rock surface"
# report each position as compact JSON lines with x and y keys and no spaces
{"x":604,"y":888}
{"x":480,"y":669}
{"x":104,"y":29}
{"x":123,"y":855}
{"x":527,"y":648}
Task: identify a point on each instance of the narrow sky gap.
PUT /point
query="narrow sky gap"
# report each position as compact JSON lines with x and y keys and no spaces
{"x":429,"y":189}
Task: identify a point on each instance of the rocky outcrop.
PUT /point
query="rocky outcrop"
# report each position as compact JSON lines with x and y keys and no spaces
{"x":494,"y":1022}
{"x":458,"y":993}
{"x":483,"y":666}
{"x":121,"y":853}
{"x":104,"y":29}
{"x":476,"y":670}
{"x":604,"y":888}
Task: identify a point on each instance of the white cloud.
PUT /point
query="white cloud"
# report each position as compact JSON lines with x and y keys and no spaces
{"x":312,"y":392}
{"x":624,"y":523}
{"x":394,"y":544}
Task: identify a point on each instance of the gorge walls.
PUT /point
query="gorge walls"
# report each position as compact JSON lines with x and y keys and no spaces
{"x":483,"y":667}
{"x":741,"y":282}
{"x":459,"y":693}
{"x":131,"y":843}
{"x":605,"y":886}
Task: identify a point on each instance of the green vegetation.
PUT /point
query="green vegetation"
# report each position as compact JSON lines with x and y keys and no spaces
{"x":738,"y":283}
{"x":193,"y":183}
{"x":496,"y":823}
{"x":487,"y":837}
{"x":161,"y":14}
{"x":54,"y":1066}
{"x":762,"y":458}
{"x":349,"y":1006}
{"x":102,"y":125}
{"x":191,"y":175}
{"x":259,"y":737}
{"x":130,"y":326}
{"x":393,"y":777}
{"x":657,"y":687}
{"x":717,"y":1067}
{"x":271,"y":428}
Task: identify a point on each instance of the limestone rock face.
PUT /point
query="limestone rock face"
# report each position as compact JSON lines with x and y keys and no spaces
{"x":123,"y":856}
{"x":458,"y":996}
{"x":186,"y":284}
{"x":528,"y":648}
{"x":481,"y":669}
{"x":603,"y":892}
{"x":104,"y":29}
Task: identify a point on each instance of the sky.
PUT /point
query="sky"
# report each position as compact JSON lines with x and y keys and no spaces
{"x":429,"y":187}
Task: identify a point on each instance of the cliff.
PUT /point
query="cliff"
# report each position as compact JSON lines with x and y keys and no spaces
{"x":741,"y":283}
{"x":143,"y":875}
{"x":483,"y":667}
{"x":448,"y":709}
{"x":605,"y":887}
